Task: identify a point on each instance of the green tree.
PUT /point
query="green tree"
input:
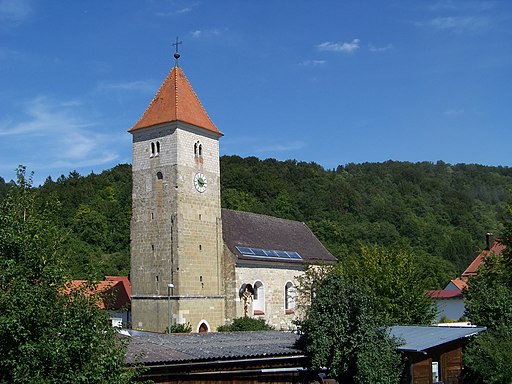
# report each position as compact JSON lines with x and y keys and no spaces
{"x":245,"y":324}
{"x":341,"y":331}
{"x":392,"y":277}
{"x":48,"y":333}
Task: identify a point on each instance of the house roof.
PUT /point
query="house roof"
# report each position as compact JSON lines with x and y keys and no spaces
{"x":496,"y":248}
{"x":459,"y":283}
{"x":271,"y":233}
{"x":175,"y":101}
{"x":422,"y":338}
{"x":114,"y":292}
{"x":440,"y":294}
{"x":153,"y":348}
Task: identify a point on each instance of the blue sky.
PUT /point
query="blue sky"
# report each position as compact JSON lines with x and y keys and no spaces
{"x":332,"y":82}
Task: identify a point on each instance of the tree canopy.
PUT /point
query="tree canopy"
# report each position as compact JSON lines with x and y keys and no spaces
{"x":391,"y":275}
{"x":48,"y":333}
{"x":342,"y":331}
{"x":441,"y":211}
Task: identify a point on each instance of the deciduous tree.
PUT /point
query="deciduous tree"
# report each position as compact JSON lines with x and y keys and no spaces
{"x":48,"y":334}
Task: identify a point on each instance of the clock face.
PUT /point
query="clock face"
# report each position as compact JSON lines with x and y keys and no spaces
{"x":200,"y":182}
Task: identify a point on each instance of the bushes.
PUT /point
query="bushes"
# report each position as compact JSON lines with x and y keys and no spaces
{"x":245,"y":324}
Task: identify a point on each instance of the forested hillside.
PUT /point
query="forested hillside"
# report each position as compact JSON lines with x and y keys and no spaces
{"x":441,"y":211}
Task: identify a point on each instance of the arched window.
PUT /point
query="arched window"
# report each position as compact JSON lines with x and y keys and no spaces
{"x":198,"y":149}
{"x":159,"y":175}
{"x":289,"y":297}
{"x":157,"y":148}
{"x":258,"y":299}
{"x":152,"y":150}
{"x":203,"y":326}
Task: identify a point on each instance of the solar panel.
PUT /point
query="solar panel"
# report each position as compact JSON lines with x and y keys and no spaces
{"x":268,"y":253}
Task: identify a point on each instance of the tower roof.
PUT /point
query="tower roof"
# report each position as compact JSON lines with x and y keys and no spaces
{"x":175,"y":101}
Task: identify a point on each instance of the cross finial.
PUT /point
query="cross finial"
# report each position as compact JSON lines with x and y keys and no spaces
{"x":177,"y":54}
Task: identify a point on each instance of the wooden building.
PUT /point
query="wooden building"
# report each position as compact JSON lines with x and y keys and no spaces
{"x":433,"y":354}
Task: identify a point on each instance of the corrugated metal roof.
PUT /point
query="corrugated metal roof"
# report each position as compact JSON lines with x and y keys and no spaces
{"x":421,"y":338}
{"x":182,"y":347}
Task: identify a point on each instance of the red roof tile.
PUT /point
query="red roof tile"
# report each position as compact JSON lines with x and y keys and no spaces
{"x":459,"y":283}
{"x":114,"y":293}
{"x":444,"y":294}
{"x":496,"y":248}
{"x":175,"y":101}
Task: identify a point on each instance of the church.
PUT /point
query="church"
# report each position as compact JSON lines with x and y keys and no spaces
{"x":193,"y":262}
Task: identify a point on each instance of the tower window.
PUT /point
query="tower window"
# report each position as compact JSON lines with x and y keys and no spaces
{"x":157,"y":148}
{"x":153,"y":151}
{"x":198,"y":149}
{"x":159,"y":175}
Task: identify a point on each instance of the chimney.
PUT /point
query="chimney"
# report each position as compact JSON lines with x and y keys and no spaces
{"x":489,"y":237}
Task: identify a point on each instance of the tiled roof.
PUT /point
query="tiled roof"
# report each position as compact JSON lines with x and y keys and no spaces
{"x":266,"y":232}
{"x":175,"y":101}
{"x":114,"y":293}
{"x":496,"y":248}
{"x":421,"y":338}
{"x":151,"y":348}
{"x":445,"y":294}
{"x":459,"y":283}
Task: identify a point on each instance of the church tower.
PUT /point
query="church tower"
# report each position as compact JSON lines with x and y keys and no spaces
{"x":176,"y":229}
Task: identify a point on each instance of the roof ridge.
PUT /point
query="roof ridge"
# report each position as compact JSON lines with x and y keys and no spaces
{"x":153,"y":100}
{"x":265,"y":215}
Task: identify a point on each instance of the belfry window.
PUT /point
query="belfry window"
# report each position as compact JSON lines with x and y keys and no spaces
{"x":157,"y":148}
{"x":198,"y":149}
{"x":153,"y":151}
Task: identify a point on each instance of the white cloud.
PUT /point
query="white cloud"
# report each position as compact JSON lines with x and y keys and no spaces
{"x":15,"y":11}
{"x":283,"y":147}
{"x":339,"y":47}
{"x":313,"y":63}
{"x":135,"y":86}
{"x":172,"y":13}
{"x":56,"y":134}
{"x":206,"y":33}
{"x":465,"y":5}
{"x":373,"y":48}
{"x":456,"y":23}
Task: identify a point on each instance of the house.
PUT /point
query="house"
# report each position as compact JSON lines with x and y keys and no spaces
{"x":114,"y":295}
{"x":191,"y":261}
{"x":433,"y":354}
{"x":450,"y":300}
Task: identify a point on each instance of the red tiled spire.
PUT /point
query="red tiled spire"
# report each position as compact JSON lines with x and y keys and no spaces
{"x":175,"y":101}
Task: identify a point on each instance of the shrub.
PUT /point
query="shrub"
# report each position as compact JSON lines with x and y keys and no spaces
{"x":245,"y":324}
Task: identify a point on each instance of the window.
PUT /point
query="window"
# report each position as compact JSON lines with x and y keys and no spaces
{"x":159,"y":175}
{"x":289,"y":297}
{"x":153,"y":151}
{"x":198,"y":149}
{"x":258,"y":299}
{"x":157,"y":148}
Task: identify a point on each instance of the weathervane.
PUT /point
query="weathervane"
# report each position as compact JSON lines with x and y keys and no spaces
{"x":177,"y":54}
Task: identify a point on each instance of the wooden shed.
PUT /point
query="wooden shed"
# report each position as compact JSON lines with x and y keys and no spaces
{"x":433,"y":354}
